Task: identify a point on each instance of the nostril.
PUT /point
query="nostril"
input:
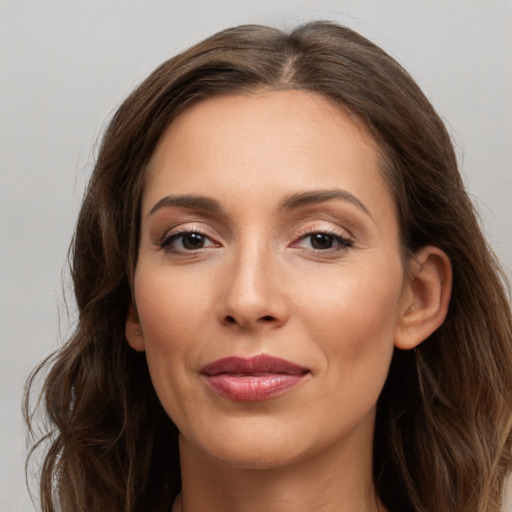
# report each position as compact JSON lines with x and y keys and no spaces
{"x":231,"y":320}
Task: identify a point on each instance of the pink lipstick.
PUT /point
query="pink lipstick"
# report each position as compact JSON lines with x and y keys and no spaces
{"x":251,"y":380}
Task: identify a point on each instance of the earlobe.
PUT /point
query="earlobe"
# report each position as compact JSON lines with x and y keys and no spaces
{"x":427,"y":297}
{"x":133,"y":330}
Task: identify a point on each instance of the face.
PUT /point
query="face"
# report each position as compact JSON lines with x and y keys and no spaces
{"x":269,"y":283}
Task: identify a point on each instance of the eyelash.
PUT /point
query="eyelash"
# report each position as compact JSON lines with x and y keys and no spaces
{"x":342,"y":242}
{"x":166,"y":244}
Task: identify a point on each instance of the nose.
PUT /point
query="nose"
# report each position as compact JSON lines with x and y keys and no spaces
{"x":253,"y":295}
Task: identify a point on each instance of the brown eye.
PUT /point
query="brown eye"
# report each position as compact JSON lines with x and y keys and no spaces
{"x":322,"y":241}
{"x":192,"y":241}
{"x":186,"y":241}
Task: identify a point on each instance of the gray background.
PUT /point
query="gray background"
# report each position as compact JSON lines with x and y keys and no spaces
{"x":65,"y":65}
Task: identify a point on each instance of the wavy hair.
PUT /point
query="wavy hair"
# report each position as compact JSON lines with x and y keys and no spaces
{"x":443,"y":427}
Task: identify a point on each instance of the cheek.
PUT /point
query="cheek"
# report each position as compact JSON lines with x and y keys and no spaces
{"x":171,"y":311}
{"x":353,"y":315}
{"x":171,"y":307}
{"x":355,"y":300}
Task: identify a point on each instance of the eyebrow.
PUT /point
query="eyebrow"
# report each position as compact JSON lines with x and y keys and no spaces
{"x":188,"y":201}
{"x":195,"y":202}
{"x":321,"y":196}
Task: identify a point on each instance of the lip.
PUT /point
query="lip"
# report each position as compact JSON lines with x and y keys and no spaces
{"x":252,"y":379}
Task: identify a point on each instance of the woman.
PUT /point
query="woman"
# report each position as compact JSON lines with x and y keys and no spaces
{"x":285,"y":300}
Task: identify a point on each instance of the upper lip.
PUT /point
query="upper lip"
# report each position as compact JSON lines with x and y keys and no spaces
{"x":260,"y":364}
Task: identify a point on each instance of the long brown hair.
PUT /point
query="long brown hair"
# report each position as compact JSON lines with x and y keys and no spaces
{"x":443,"y":429}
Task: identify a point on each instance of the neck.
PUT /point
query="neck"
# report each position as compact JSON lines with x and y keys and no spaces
{"x":335,"y":481}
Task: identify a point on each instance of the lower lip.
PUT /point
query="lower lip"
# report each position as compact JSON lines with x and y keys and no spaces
{"x":253,"y":388}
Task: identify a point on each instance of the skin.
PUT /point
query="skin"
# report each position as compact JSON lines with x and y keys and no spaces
{"x":257,"y":284}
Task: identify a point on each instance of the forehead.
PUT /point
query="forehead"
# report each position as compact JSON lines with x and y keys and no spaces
{"x":289,"y":140}
{"x":306,"y":112}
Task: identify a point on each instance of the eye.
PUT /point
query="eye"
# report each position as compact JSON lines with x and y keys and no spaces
{"x":321,"y":241}
{"x":186,"y":241}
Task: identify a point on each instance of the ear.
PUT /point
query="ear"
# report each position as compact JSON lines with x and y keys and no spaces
{"x":426,"y":297}
{"x":133,"y":330}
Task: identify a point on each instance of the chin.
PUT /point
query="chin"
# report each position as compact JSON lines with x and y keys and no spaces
{"x":264,"y":456}
{"x":249,"y":444}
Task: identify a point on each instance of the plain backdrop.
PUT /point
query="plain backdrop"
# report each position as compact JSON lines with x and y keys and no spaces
{"x":65,"y":65}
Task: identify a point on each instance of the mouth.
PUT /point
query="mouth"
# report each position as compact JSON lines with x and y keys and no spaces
{"x":253,"y":379}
